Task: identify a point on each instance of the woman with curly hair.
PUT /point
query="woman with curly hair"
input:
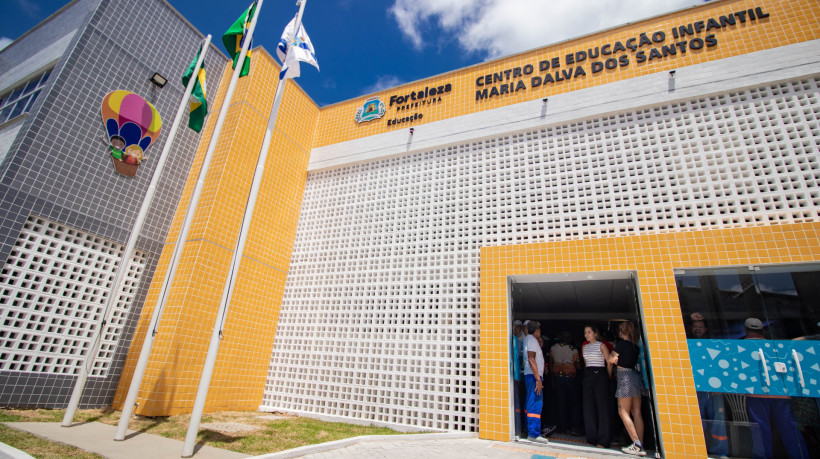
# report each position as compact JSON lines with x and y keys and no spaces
{"x":630,"y":386}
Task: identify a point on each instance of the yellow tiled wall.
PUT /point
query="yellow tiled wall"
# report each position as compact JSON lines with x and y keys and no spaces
{"x":174,"y":369}
{"x":789,"y":21}
{"x":653,"y":257}
{"x":171,"y":379}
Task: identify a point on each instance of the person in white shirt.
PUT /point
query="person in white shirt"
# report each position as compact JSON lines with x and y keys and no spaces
{"x":533,"y":370}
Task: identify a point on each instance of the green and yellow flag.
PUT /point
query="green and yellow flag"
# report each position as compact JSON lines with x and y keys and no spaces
{"x":199,"y":102}
{"x":235,"y":36}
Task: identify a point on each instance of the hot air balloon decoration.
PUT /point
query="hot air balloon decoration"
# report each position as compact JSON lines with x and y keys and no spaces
{"x":132,"y":125}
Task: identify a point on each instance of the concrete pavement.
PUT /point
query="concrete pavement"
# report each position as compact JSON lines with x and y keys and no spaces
{"x":408,"y":446}
{"x":98,"y":438}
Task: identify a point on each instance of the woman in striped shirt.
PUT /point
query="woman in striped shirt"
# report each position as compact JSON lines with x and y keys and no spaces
{"x":597,"y":400}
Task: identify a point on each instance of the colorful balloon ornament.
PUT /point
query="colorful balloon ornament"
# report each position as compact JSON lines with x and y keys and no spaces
{"x":132,"y":125}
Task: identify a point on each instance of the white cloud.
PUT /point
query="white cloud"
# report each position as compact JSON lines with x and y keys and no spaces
{"x":495,"y":28}
{"x":5,"y":41}
{"x":383,"y":82}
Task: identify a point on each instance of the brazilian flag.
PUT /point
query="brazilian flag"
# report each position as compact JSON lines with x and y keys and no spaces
{"x":234,"y":37}
{"x":199,"y":102}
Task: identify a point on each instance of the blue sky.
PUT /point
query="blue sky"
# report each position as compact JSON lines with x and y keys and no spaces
{"x":366,"y":45}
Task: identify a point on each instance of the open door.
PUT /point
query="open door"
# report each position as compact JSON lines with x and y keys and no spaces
{"x":566,"y":303}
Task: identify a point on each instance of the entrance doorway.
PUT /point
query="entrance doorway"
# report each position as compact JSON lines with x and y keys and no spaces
{"x":564,"y":304}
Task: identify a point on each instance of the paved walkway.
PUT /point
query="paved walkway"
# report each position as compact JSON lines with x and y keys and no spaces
{"x":451,"y":448}
{"x":98,"y":438}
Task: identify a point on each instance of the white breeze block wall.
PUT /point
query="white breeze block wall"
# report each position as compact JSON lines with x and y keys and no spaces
{"x":53,"y":290}
{"x":380,"y":317}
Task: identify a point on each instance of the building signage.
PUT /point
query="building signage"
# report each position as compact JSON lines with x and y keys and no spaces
{"x":646,"y":47}
{"x":415,"y":99}
{"x":371,"y":109}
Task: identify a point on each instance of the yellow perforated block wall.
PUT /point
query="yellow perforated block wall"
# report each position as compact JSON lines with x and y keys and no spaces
{"x":653,"y":257}
{"x":175,"y":366}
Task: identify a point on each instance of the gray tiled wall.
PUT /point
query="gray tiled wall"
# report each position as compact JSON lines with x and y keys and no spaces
{"x":59,"y":167}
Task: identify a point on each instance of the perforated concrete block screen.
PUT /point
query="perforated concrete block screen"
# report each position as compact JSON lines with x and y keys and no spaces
{"x":380,"y":314}
{"x":53,"y":290}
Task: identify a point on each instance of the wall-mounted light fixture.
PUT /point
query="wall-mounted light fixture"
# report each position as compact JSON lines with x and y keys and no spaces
{"x":544,"y":107}
{"x":158,"y":80}
{"x":412,"y":130}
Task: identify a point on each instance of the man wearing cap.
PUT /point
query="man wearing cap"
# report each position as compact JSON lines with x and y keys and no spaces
{"x":533,"y":371}
{"x":763,"y":409}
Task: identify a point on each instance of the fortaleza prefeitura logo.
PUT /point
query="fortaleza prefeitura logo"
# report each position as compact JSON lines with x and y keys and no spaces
{"x":371,"y":109}
{"x":414,"y":100}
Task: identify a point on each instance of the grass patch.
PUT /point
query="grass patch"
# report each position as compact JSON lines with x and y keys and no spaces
{"x":270,"y":436}
{"x":40,"y":447}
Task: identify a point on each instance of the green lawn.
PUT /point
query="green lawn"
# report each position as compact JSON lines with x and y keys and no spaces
{"x":39,"y":447}
{"x":271,"y":435}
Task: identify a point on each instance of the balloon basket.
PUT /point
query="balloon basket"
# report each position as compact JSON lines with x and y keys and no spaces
{"x":129,"y":170}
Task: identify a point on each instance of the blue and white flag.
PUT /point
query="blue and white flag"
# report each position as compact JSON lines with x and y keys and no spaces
{"x":294,"y":48}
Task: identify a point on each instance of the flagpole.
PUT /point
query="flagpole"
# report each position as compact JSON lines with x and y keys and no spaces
{"x":230,"y":283}
{"x":119,"y":276}
{"x":139,"y":372}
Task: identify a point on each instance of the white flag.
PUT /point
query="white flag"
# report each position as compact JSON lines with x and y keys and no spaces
{"x":294,"y":48}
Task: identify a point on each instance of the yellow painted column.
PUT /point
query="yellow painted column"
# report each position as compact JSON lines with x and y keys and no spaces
{"x":170,"y":382}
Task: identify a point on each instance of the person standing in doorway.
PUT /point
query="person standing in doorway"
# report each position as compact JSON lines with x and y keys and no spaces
{"x":565,"y":364}
{"x":630,"y":386}
{"x":712,"y":411}
{"x":518,"y":373}
{"x":533,"y":371}
{"x":763,"y":409}
{"x":597,"y":415}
